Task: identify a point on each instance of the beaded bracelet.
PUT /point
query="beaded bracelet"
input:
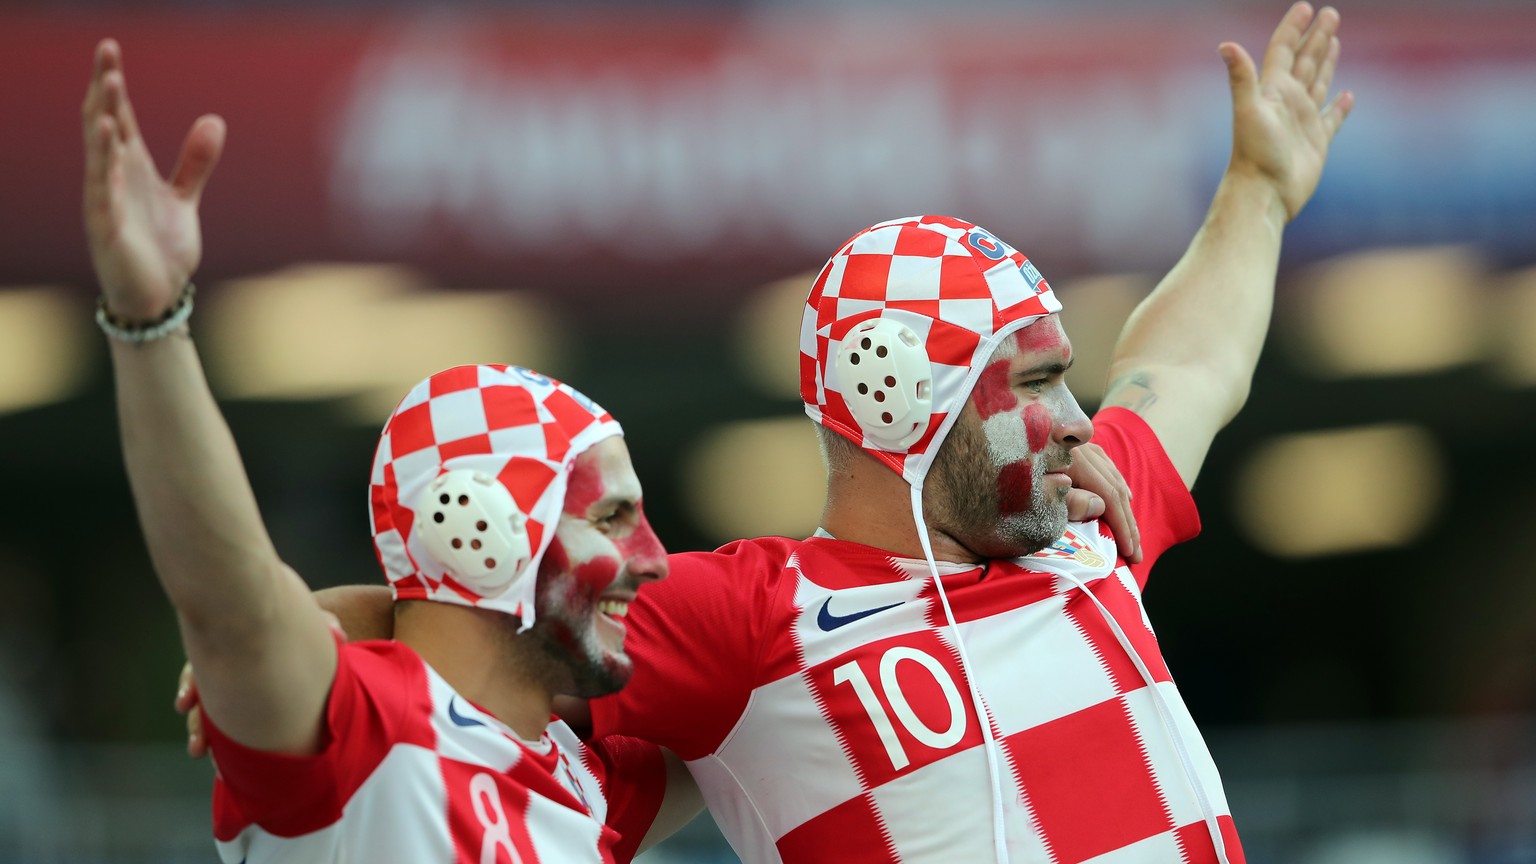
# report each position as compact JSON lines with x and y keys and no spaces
{"x":149,"y":331}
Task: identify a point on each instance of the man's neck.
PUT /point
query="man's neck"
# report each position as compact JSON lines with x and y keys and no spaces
{"x":872,"y":506}
{"x":481,"y":657}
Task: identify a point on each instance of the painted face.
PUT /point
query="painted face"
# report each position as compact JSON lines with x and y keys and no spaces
{"x":999,"y":489}
{"x":602,"y":552}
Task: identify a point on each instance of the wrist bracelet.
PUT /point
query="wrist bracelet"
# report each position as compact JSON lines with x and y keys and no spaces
{"x":150,"y":331}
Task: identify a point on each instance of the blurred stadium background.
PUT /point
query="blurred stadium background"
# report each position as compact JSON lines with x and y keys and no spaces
{"x":631,"y":196}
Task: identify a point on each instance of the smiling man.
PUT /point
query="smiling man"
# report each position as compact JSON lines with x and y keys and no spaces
{"x":508,"y":521}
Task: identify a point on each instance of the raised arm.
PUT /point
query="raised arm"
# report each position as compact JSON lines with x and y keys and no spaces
{"x":1186,"y":357}
{"x":264,"y":656}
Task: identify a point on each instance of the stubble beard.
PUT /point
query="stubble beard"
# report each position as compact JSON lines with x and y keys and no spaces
{"x":966,"y":504}
{"x":563,"y":651}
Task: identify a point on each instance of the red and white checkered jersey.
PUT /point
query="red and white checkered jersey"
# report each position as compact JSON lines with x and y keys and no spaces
{"x":820,"y":701}
{"x":411,"y":771}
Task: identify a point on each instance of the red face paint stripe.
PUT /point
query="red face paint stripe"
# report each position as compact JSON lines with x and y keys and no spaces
{"x":1037,"y":424}
{"x":1015,"y":486}
{"x":992,"y":394}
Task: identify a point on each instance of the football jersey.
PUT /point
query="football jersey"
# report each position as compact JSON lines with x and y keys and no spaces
{"x":817,"y":692}
{"x":410,"y":771}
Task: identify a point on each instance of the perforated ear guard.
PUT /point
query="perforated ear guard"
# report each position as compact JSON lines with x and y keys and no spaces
{"x":886,"y":381}
{"x":470,"y":524}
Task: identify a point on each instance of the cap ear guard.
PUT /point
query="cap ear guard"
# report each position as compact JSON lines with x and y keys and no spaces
{"x":887,"y":382}
{"x":470,"y":524}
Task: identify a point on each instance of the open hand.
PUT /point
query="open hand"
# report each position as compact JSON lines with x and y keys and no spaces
{"x":143,"y":230}
{"x":1283,"y":120}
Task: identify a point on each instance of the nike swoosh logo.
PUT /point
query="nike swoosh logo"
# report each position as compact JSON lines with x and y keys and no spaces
{"x":459,"y":719}
{"x":829,"y":622}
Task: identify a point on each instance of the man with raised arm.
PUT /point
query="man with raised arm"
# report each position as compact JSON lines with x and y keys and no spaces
{"x":950,"y":670}
{"x":507,"y":518}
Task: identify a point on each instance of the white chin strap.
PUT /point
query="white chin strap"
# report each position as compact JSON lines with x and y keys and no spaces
{"x":470,"y":524}
{"x":887,"y":382}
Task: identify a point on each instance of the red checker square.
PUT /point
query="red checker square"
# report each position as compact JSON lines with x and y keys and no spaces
{"x":808,"y":372}
{"x":897,"y":704}
{"x":570,"y":414}
{"x":1006,"y":587}
{"x":526,"y":479}
{"x":849,"y":831}
{"x":922,"y":242}
{"x":474,"y":445}
{"x":455,"y":379}
{"x":865,"y":277}
{"x":411,"y":430}
{"x":926,"y":308}
{"x":1029,"y":307}
{"x":508,"y":406}
{"x":962,"y":281}
{"x":556,"y":441}
{"x":480,"y":800}
{"x":1087,"y":777}
{"x":952,"y":345}
{"x":1112,"y":593}
{"x":1195,"y":841}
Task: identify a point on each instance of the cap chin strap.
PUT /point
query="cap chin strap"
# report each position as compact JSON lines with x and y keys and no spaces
{"x":988,"y":742}
{"x":887,"y":382}
{"x":470,"y":524}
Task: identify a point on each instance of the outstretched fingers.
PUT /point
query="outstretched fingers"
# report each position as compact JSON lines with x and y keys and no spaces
{"x":1324,"y":81}
{"x":1335,"y":112}
{"x":1280,"y":55}
{"x":1314,"y":49}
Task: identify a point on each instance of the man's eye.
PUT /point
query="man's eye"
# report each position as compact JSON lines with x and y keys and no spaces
{"x":1035,"y":386}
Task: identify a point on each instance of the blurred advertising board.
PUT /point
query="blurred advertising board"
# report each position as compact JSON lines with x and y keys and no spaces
{"x":614,"y":148}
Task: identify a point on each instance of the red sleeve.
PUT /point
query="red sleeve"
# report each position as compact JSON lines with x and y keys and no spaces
{"x":695,"y":638}
{"x":634,"y":782}
{"x":1164,"y":510}
{"x":293,"y":795}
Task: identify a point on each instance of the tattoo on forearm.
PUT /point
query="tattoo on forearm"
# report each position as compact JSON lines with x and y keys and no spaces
{"x":1132,"y":390}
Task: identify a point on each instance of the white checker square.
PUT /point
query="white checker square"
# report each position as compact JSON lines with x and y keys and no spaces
{"x":975,"y":310}
{"x":788,"y":786}
{"x":955,"y":825}
{"x":419,"y":394}
{"x":528,"y":438}
{"x":834,"y":280}
{"x":1127,"y":579}
{"x":1157,"y":849}
{"x":1168,"y":769}
{"x":808,"y":332}
{"x":915,"y":277}
{"x":848,"y":307}
{"x":459,"y":414}
{"x":818,"y":646}
{"x":392,"y":554}
{"x":879,"y":241}
{"x":1063,"y":674}
{"x":419,"y":466}
{"x":380,"y":459}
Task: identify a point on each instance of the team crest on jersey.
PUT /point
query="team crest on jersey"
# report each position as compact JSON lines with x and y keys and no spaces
{"x":1074,"y":546}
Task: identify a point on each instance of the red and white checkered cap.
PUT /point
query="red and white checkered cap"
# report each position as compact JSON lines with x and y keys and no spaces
{"x":955,"y":285}
{"x":513,"y":424}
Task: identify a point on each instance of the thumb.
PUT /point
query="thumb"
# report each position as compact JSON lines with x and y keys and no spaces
{"x":1083,"y":506}
{"x":199,"y":154}
{"x":1242,"y":74}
